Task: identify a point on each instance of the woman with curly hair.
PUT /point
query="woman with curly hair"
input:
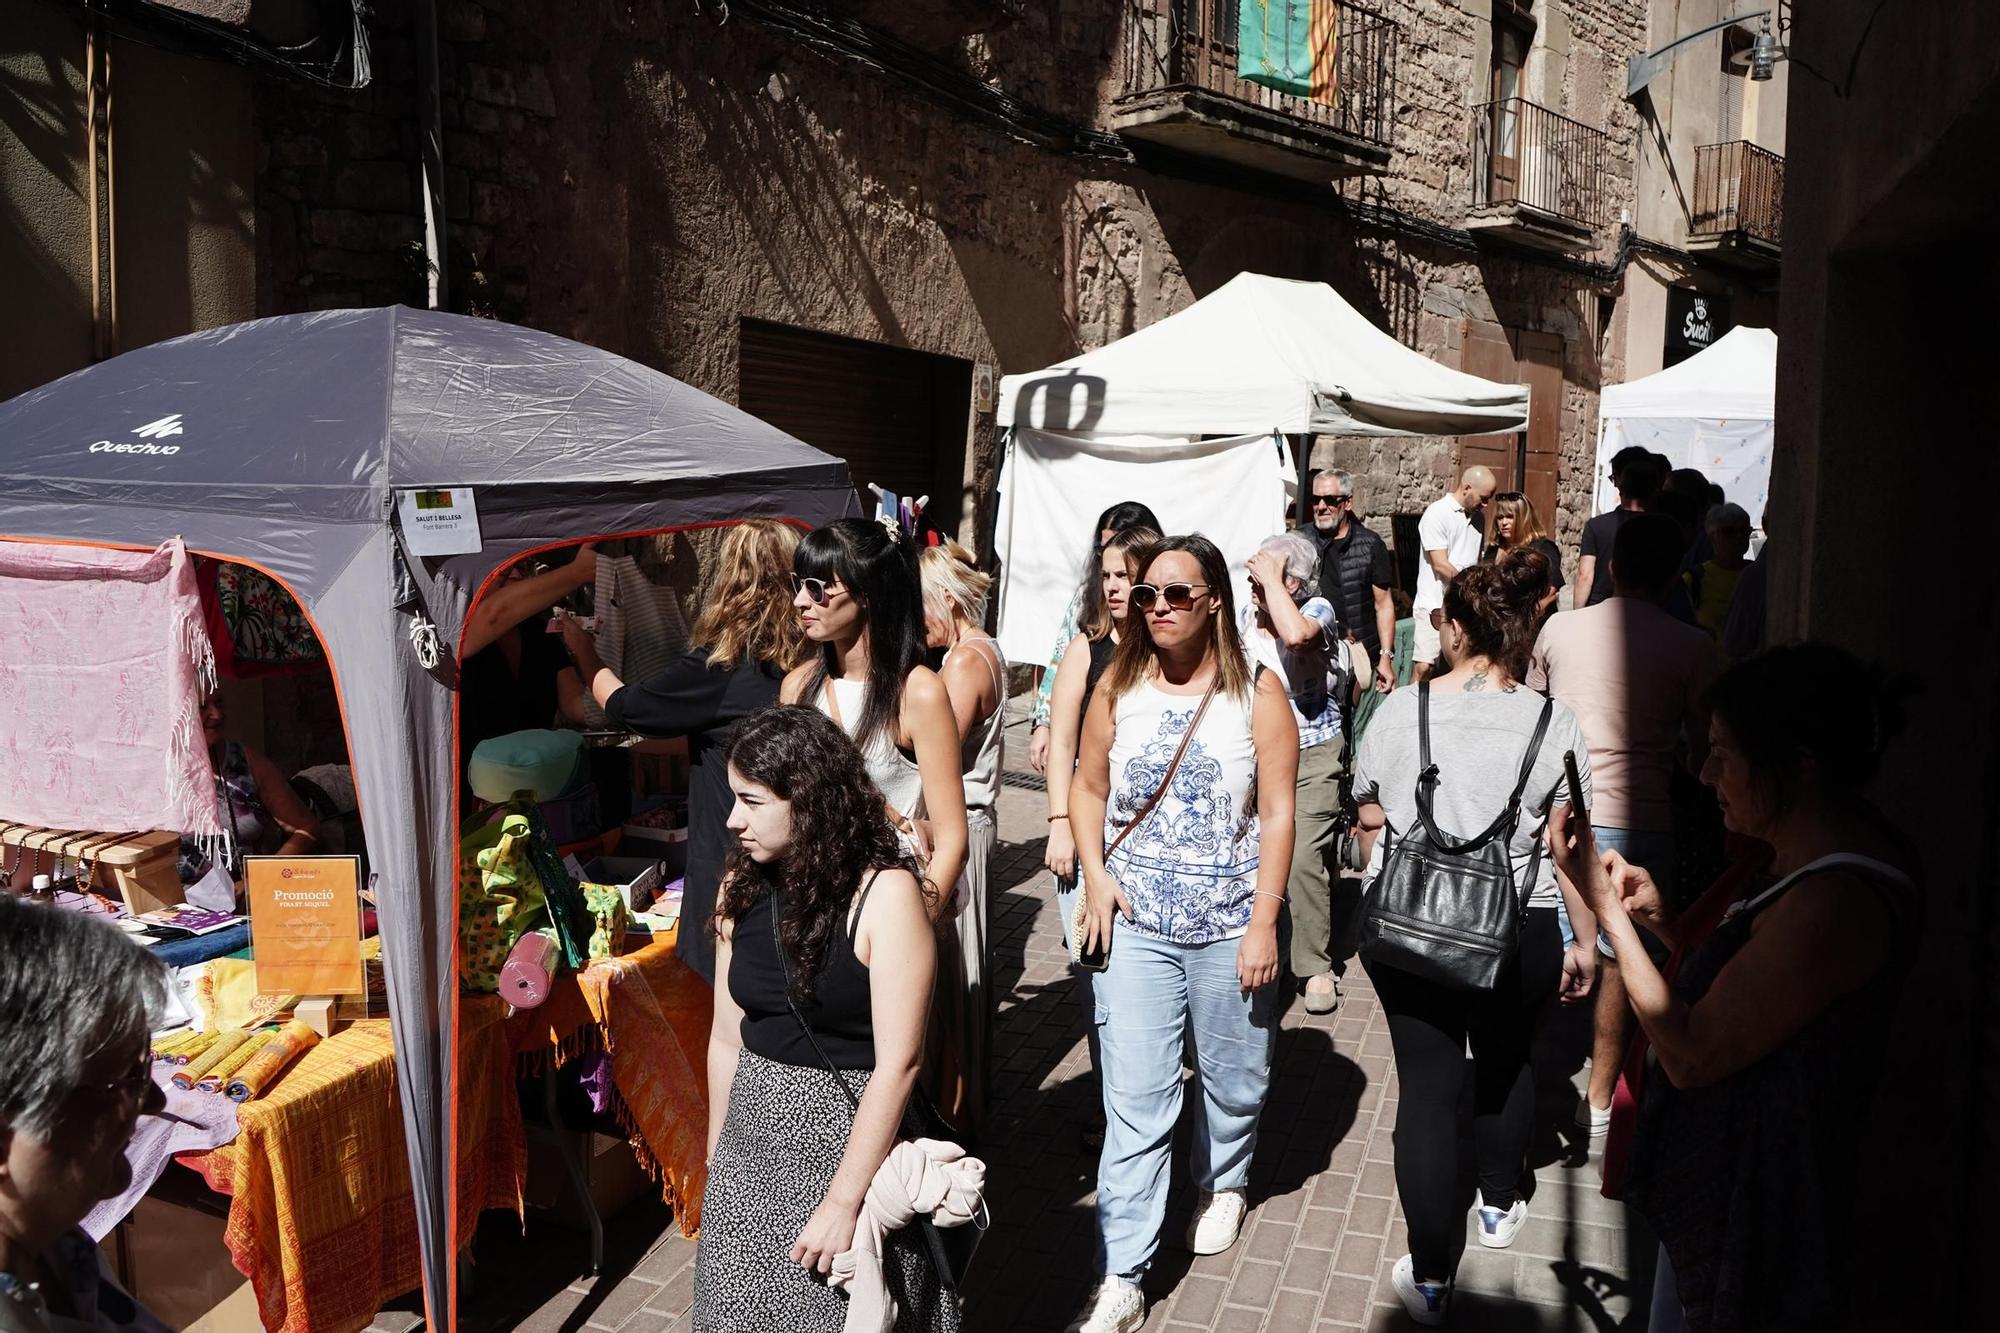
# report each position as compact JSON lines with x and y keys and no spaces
{"x":823,"y":921}
{"x":745,"y":641}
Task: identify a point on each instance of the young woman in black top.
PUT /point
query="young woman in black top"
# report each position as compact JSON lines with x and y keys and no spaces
{"x":822,"y":920}
{"x":745,"y":640}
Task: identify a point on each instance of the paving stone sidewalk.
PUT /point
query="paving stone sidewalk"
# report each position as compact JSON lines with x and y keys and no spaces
{"x":1324,"y":1227}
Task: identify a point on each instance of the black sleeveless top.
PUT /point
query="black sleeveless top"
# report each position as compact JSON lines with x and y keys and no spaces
{"x":839,"y":1013}
{"x":1101,"y":651}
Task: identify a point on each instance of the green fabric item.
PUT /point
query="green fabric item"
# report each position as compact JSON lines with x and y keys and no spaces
{"x":1404,"y":650}
{"x":1274,"y":44}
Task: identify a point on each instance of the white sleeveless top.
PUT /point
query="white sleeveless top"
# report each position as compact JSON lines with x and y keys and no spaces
{"x":980,"y":759}
{"x":1190,"y":869}
{"x":894,"y":773}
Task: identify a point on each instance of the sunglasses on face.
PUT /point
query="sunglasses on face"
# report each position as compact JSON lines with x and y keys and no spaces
{"x":1330,"y":501}
{"x":1180,"y":596}
{"x":817,"y":590}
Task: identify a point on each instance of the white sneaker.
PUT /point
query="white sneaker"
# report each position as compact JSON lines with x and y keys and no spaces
{"x":1497,"y":1229}
{"x":1217,"y":1221}
{"x":1115,"y":1307}
{"x":1426,"y":1303}
{"x":1591,"y":1120}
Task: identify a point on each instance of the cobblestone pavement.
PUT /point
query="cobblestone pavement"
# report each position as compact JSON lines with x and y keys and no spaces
{"x":1324,"y":1227}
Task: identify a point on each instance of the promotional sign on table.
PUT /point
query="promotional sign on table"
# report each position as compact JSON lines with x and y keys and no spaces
{"x":305,"y":924}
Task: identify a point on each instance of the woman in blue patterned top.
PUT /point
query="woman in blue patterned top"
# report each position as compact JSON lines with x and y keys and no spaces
{"x":1195,"y":881}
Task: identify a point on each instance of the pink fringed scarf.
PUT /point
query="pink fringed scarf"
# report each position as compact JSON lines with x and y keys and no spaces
{"x":103,"y":665}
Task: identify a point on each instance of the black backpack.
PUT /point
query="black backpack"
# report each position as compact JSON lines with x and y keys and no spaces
{"x":1444,"y":909}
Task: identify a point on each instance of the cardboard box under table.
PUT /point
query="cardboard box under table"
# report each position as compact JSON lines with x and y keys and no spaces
{"x":321,"y":1218}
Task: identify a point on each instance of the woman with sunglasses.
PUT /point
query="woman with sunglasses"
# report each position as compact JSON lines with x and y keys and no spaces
{"x":1084,"y":662}
{"x":78,"y":1001}
{"x":854,"y":584}
{"x":1085,"y":608}
{"x":1516,"y":527}
{"x":1182,"y":813}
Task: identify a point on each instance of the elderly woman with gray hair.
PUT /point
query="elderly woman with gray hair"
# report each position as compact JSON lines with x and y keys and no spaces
{"x":1296,"y":634}
{"x":77,"y":1004}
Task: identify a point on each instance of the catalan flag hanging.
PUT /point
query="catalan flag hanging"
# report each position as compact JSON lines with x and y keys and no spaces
{"x":1289,"y":45}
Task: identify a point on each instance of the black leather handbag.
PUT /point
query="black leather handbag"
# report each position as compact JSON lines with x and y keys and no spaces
{"x":951,"y":1249}
{"x":1447,"y":909}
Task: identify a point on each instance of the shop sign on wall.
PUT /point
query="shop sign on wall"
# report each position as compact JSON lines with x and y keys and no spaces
{"x":305,"y":924}
{"x":443,"y":520}
{"x":1694,"y":321}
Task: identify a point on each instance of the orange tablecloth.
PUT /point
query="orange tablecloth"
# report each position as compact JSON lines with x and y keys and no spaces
{"x":321,"y":1218}
{"x":650,"y":1013}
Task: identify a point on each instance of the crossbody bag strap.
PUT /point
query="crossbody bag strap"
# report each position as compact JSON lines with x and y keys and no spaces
{"x":1167,"y":781}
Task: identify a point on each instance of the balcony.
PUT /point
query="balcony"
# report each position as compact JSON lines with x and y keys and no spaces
{"x":1739,"y":204}
{"x":1539,"y":179}
{"x":1183,"y":94}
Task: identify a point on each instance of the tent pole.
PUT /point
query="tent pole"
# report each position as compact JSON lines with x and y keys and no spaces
{"x":430,"y":124}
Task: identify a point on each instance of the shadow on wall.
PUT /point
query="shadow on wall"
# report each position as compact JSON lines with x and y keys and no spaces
{"x":43,"y":220}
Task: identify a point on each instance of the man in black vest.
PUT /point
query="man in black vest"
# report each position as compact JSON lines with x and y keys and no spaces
{"x":1354,"y":571}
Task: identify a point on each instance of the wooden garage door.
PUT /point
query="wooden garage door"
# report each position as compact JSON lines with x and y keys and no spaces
{"x":898,"y":417}
{"x":1524,"y":461}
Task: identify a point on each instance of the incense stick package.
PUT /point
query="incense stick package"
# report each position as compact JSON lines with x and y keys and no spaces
{"x":191,"y":1073}
{"x":238,"y":1058}
{"x":270,"y":1063}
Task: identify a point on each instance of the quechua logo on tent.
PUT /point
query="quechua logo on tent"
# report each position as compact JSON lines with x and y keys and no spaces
{"x":149,"y":434}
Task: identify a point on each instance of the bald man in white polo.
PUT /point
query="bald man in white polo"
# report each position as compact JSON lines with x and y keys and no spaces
{"x":1452,"y":533}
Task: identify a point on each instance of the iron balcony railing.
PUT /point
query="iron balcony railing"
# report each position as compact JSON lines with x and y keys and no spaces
{"x":1527,"y":154}
{"x":1739,"y":187}
{"x":1175,"y":45}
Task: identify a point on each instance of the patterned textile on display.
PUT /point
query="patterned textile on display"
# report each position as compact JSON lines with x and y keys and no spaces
{"x":1289,"y":45}
{"x":103,"y":667}
{"x":640,"y":631}
{"x":257,"y":628}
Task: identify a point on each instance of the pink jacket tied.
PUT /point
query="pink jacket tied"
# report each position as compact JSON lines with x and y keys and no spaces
{"x":919,"y":1178}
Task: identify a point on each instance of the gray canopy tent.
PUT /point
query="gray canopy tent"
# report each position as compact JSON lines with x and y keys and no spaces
{"x":283,"y":444}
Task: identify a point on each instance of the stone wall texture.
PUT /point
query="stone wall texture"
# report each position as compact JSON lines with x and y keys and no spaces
{"x":641,"y":176}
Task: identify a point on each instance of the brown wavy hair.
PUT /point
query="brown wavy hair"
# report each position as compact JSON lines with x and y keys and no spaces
{"x":1495,"y":605}
{"x":1137,"y":659}
{"x":749,"y":608}
{"x":1527,"y":523}
{"x":840,"y":834}
{"x":1132,"y":543}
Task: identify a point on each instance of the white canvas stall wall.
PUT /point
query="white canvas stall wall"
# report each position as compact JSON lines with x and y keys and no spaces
{"x":1053,"y":487}
{"x":1735,"y":455}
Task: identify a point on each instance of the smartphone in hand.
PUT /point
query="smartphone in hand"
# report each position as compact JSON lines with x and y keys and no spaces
{"x":1575,"y":780}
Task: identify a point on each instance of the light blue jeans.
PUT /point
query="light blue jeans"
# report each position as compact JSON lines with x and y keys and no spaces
{"x":1650,"y":850}
{"x":1152,"y":995}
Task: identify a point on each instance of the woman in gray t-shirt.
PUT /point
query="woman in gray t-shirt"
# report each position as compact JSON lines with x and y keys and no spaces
{"x":1482,"y":720}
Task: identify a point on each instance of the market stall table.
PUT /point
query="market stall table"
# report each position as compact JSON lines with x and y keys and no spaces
{"x":649,"y":1013}
{"x":321,"y":1215}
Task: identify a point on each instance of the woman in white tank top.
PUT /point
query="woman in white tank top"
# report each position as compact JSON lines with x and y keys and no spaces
{"x":855,"y":586}
{"x":975,"y":678}
{"x":1188,"y":765}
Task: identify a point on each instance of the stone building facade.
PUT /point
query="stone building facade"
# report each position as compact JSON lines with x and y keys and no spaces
{"x":768,"y":199}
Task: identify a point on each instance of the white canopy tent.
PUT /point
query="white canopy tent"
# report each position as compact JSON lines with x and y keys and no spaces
{"x":1258,"y":359}
{"x":1713,"y":411}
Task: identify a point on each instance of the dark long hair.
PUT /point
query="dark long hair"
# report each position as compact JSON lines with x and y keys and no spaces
{"x":1809,"y":701}
{"x":1121,"y":517}
{"x":1495,"y":605}
{"x":1132,"y":543}
{"x":880,"y":572}
{"x":840,"y":833}
{"x":1136,"y":657}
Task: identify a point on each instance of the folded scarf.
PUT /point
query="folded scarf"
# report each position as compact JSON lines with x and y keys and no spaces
{"x":919,"y":1178}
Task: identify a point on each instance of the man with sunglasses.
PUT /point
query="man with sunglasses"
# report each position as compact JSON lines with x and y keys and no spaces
{"x":1354,"y":571}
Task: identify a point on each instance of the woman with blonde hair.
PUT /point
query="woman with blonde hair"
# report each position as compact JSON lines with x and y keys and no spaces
{"x":975,"y":679}
{"x":1517,"y":527}
{"x":744,"y":642}
{"x":1182,"y":813}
